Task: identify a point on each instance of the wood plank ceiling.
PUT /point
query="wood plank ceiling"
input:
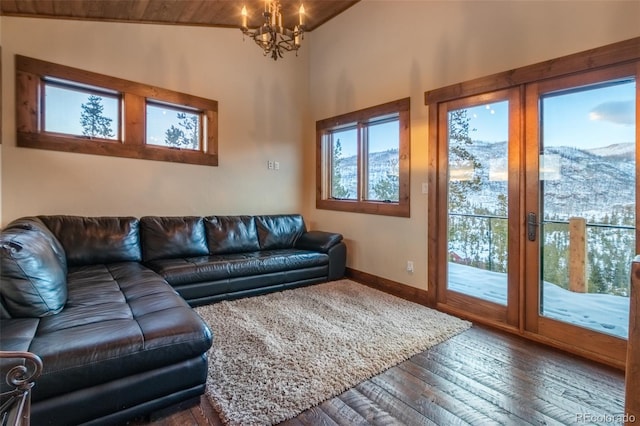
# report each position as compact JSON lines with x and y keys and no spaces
{"x":216,"y":13}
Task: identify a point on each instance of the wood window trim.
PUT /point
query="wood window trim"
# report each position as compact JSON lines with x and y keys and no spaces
{"x":30,"y":74}
{"x":616,"y":53}
{"x":402,"y":207}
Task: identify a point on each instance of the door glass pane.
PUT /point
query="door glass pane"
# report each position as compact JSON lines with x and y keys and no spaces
{"x":383,"y":159}
{"x":587,"y":206}
{"x":344,"y":164}
{"x":477,"y":201}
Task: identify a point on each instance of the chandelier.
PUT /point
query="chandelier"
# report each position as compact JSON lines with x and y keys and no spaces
{"x":272,"y":36}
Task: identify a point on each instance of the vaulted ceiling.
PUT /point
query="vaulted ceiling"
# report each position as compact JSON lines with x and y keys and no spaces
{"x":217,"y":13}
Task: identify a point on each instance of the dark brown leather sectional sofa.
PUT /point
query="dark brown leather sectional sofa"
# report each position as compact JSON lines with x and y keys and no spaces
{"x":105,"y":301}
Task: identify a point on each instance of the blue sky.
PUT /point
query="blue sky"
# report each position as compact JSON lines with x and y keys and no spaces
{"x":591,"y":119}
{"x":382,"y":137}
{"x":583,"y":119}
{"x":64,"y":106}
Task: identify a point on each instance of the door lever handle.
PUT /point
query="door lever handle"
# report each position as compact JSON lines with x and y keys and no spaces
{"x":532,"y":224}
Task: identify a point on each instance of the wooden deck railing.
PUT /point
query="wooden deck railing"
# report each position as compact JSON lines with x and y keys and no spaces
{"x":632,"y":375}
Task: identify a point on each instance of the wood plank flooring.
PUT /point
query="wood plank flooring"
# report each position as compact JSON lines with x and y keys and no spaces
{"x":480,"y":377}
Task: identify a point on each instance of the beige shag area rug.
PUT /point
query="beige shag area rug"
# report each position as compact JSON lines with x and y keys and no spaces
{"x":276,"y":355}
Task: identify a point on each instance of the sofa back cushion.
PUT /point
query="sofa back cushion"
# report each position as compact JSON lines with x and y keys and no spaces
{"x":279,"y":231}
{"x":94,"y":240}
{"x":231,"y":234}
{"x":32,"y":278}
{"x":173,"y":237}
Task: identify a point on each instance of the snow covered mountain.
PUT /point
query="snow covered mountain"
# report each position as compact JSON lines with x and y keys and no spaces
{"x":589,"y":183}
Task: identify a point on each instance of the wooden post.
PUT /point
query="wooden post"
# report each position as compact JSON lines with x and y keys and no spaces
{"x":632,"y":371}
{"x":578,"y":255}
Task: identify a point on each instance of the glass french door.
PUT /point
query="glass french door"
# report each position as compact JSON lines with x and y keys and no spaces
{"x":483,"y":147}
{"x":581,"y":209}
{"x":537,"y":213}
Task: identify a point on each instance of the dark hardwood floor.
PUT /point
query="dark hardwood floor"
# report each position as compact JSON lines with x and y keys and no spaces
{"x":479,"y":377}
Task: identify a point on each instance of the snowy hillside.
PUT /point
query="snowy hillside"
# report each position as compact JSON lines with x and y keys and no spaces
{"x":589,"y":183}
{"x":601,"y":312}
{"x":380,"y":163}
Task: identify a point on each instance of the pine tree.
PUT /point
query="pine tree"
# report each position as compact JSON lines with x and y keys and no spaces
{"x":388,"y":188}
{"x":596,"y":279}
{"x":93,"y":123}
{"x":459,"y":141}
{"x":337,"y":189}
{"x":499,"y":236}
{"x":187,"y":138}
{"x":173,"y":136}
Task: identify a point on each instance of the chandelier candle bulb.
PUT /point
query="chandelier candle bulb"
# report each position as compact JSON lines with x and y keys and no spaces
{"x":244,"y":17}
{"x":301,"y":12}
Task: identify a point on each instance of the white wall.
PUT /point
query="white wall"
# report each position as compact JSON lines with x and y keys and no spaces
{"x":262,"y":111}
{"x":379,"y":51}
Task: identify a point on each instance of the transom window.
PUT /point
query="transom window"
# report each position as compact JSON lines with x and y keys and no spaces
{"x":364,"y":160}
{"x":66,"y":109}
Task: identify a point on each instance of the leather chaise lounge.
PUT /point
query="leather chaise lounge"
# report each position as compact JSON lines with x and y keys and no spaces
{"x":105,"y":301}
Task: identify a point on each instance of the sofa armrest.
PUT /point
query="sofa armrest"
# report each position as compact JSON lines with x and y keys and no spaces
{"x":318,"y":241}
{"x":15,"y":404}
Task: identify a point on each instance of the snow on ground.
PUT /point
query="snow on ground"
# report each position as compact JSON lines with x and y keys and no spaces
{"x":605,"y":313}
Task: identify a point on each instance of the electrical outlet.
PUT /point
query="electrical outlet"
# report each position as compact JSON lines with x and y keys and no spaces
{"x":276,"y":165}
{"x":425,"y":187}
{"x":410,"y":266}
{"x":270,"y":165}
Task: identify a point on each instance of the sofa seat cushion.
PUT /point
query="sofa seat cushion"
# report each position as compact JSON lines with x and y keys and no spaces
{"x":120,"y":319}
{"x":212,"y":268}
